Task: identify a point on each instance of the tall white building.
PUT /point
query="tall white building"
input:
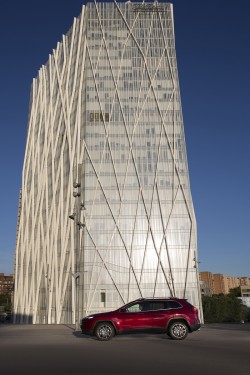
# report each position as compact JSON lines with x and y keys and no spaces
{"x":106,"y":147}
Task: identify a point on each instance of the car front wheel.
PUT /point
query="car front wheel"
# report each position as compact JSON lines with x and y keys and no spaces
{"x":178,"y":330}
{"x":104,"y":331}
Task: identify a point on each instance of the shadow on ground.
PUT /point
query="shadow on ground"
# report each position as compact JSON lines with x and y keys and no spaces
{"x":228,"y":326}
{"x":80,"y":335}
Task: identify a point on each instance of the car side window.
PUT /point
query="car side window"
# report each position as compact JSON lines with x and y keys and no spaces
{"x":137,"y":307}
{"x":155,"y":305}
{"x":173,"y":305}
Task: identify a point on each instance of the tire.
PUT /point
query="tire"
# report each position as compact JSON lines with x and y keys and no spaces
{"x":104,"y":331}
{"x":178,"y":330}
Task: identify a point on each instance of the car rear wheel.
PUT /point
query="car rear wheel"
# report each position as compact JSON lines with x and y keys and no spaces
{"x":178,"y":330}
{"x":104,"y":331}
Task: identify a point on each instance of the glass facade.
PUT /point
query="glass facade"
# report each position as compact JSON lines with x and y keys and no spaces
{"x":106,"y":125}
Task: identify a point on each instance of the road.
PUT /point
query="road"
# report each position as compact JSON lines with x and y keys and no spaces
{"x":51,"y":350}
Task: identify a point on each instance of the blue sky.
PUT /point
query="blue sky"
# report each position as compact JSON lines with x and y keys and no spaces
{"x":213,"y":56}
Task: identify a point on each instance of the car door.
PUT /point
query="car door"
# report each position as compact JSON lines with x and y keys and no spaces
{"x":133,"y":317}
{"x":158,"y":314}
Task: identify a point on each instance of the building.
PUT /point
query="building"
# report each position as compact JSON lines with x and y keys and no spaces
{"x":232,"y":282}
{"x":206,"y":283}
{"x":106,"y":148}
{"x":6,"y":283}
{"x":220,"y":284}
{"x":245,"y":294}
{"x":245,"y":291}
{"x":244,"y":281}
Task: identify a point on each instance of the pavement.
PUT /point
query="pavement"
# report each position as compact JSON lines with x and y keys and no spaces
{"x":59,"y":349}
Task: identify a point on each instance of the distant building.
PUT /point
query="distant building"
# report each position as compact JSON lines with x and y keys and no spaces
{"x":6,"y":283}
{"x":207,"y":283}
{"x":217,"y":283}
{"x":245,"y":291}
{"x":232,"y":282}
{"x":220,"y":283}
{"x":244,"y":281}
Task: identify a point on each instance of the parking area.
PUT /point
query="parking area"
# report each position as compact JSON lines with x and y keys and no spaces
{"x":36,"y":349}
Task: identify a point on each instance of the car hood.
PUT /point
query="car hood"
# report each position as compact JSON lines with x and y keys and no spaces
{"x":100,"y":314}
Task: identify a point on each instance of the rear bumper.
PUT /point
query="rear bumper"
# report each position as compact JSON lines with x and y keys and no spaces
{"x":194,"y":327}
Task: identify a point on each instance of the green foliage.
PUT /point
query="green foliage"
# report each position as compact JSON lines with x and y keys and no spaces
{"x":245,"y":313}
{"x":5,"y":300}
{"x":235,"y":292}
{"x":223,"y":308}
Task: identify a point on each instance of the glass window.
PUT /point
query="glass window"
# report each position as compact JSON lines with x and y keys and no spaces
{"x":156,"y":305}
{"x":173,"y":305}
{"x":137,"y":307}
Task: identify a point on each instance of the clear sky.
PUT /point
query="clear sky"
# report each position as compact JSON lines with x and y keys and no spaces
{"x":213,"y":56}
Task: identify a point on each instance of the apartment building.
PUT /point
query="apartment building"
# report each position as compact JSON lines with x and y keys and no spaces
{"x":217,"y":283}
{"x":6,"y":283}
{"x":207,"y":283}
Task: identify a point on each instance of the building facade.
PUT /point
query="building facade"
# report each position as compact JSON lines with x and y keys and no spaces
{"x":245,"y":291}
{"x":244,"y":281}
{"x":106,"y":148}
{"x":6,"y":284}
{"x":207,"y":283}
{"x":218,"y":283}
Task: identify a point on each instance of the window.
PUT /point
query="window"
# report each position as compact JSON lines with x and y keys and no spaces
{"x":103,"y":297}
{"x":137,"y":307}
{"x":173,"y":305}
{"x":156,"y":305}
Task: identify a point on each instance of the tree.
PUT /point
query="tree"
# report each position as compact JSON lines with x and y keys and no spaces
{"x":235,"y":291}
{"x":5,"y":301}
{"x":222,"y":308}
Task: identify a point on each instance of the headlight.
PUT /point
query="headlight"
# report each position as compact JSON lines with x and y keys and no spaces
{"x":88,"y":317}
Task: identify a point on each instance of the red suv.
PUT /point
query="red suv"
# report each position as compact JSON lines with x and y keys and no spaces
{"x":176,"y":317}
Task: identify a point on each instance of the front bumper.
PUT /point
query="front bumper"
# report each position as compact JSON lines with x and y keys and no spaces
{"x":85,"y":329}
